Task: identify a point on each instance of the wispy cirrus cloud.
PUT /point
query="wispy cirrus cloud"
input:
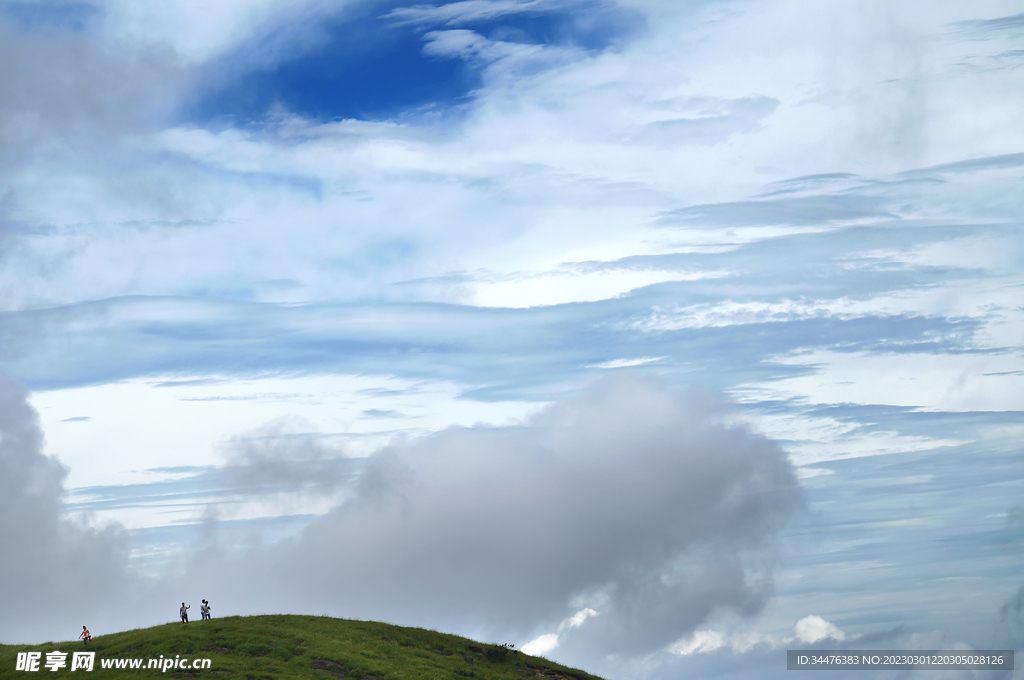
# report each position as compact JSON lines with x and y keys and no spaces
{"x":455,"y":13}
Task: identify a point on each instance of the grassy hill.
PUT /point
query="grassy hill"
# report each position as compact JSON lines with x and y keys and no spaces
{"x":284,"y":647}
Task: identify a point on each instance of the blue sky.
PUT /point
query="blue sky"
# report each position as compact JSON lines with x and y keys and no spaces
{"x":713,"y":307}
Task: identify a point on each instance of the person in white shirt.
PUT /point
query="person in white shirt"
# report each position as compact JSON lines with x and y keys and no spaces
{"x":184,"y":612}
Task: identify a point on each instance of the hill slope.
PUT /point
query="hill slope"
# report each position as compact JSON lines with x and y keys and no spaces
{"x":283,"y":647}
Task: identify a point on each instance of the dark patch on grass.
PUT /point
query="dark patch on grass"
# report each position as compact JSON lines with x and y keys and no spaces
{"x":255,"y":650}
{"x":551,"y":673}
{"x":499,"y":652}
{"x":328,"y":666}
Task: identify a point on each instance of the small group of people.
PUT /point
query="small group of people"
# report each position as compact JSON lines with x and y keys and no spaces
{"x":204,"y":610}
{"x":86,"y":636}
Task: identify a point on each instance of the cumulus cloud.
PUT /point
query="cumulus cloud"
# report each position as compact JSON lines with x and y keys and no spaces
{"x":50,"y":567}
{"x":633,"y":502}
{"x":811,"y":629}
{"x":545,"y":643}
{"x":705,"y":641}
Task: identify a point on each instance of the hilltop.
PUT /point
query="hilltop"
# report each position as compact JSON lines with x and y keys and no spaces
{"x":283,"y":647}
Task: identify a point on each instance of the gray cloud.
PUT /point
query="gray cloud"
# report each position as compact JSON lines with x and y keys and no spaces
{"x":67,"y":100}
{"x":50,"y":567}
{"x":382,"y":413}
{"x":1011,"y":620}
{"x":630,"y":499}
{"x":987,"y":28}
{"x":64,"y":91}
{"x":50,"y":14}
{"x":973,"y":165}
{"x":287,"y":456}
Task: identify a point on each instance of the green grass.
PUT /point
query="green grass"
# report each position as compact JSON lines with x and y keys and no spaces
{"x":282,"y":647}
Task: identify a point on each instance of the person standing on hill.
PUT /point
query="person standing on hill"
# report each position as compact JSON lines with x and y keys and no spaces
{"x":206,"y":610}
{"x":85,"y":636}
{"x":184,"y":612}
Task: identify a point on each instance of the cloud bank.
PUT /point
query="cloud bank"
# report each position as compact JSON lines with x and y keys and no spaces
{"x":51,"y":567}
{"x":641,"y":504}
{"x":641,"y":507}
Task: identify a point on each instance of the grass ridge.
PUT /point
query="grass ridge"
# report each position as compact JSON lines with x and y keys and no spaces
{"x":291,"y":646}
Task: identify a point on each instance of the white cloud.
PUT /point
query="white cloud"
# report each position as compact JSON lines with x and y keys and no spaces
{"x":541,"y":645}
{"x":990,"y":300}
{"x":545,"y":643}
{"x":467,"y":10}
{"x":547,"y":160}
{"x":926,"y":381}
{"x":560,"y":287}
{"x":811,"y":629}
{"x":505,"y":62}
{"x":701,"y":642}
{"x":194,"y":29}
{"x":624,"y":363}
{"x":705,"y":641}
{"x":815,"y":439}
{"x":808,"y":473}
